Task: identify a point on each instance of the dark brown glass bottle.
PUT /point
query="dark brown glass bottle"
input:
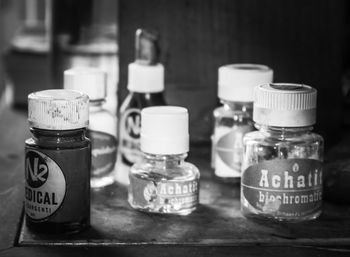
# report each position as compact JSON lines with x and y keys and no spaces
{"x":130,"y":123}
{"x":146,"y":86}
{"x":57,"y":162}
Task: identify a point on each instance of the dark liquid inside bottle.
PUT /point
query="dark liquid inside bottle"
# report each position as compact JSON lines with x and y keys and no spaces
{"x":130,"y":122}
{"x":57,"y":197}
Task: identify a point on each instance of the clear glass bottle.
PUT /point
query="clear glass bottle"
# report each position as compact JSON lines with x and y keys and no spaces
{"x":146,"y":88}
{"x":282,"y":161}
{"x":163,"y":182}
{"x":84,"y":33}
{"x":102,"y":130}
{"x":233,"y":119}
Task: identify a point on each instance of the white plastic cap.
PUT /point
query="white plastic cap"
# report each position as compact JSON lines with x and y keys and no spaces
{"x":91,"y":81}
{"x":237,"y":81}
{"x":145,"y":78}
{"x":58,"y":109}
{"x":164,"y":130}
{"x":285,"y":105}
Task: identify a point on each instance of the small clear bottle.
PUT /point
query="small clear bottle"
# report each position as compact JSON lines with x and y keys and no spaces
{"x":282,"y":162}
{"x":163,"y":182}
{"x":146,"y":88}
{"x":233,"y":119}
{"x":102,"y":130}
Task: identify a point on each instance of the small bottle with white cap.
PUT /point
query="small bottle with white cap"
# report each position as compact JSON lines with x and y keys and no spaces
{"x":163,"y":182}
{"x":146,"y":86}
{"x":282,"y":161}
{"x":102,"y":130}
{"x":234,"y":118}
{"x":57,"y":162}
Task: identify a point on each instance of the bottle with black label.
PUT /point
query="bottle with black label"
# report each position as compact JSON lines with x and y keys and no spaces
{"x":102,"y":130}
{"x":163,"y":182}
{"x":146,"y":86}
{"x":57,"y":162}
{"x":233,"y":119}
{"x":282,"y":161}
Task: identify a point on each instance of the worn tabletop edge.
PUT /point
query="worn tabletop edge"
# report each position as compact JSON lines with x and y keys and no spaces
{"x":316,"y":242}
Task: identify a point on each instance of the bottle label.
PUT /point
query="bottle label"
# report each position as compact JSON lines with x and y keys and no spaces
{"x":284,"y":188}
{"x":169,"y":195}
{"x":45,"y":186}
{"x":130,"y":125}
{"x":103,"y":153}
{"x":228,"y":150}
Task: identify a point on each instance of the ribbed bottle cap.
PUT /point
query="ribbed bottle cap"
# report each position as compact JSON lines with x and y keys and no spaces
{"x":237,"y":81}
{"x":58,"y":109}
{"x":285,"y":105}
{"x":91,"y":81}
{"x":145,"y":78}
{"x":164,"y":130}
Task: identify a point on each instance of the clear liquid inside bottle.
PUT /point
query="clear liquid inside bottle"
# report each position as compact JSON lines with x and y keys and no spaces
{"x":232,"y":121}
{"x":103,"y":135}
{"x":270,"y":145}
{"x":164,"y":184}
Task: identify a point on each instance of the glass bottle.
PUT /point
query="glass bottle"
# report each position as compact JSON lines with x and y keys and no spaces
{"x":102,"y":130}
{"x":57,"y":162}
{"x":146,"y":86}
{"x":84,"y":33}
{"x":234,"y":118}
{"x":163,"y":182}
{"x":282,"y":162}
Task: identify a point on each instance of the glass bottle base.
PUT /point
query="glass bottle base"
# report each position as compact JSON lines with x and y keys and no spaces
{"x":182,"y":212}
{"x":160,"y":193}
{"x":273,"y":218}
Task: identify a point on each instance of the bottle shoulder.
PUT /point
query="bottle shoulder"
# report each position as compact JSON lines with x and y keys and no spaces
{"x":141,"y":100}
{"x":57,"y":145}
{"x":185,"y":171}
{"x":222,"y":111}
{"x":227,"y":113}
{"x":259,"y":136}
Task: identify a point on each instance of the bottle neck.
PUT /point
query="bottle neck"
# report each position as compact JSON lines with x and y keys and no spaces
{"x":62,"y":138}
{"x":147,"y":95}
{"x":164,"y":161}
{"x":238,"y":106}
{"x":283,"y":132}
{"x":96,"y":104}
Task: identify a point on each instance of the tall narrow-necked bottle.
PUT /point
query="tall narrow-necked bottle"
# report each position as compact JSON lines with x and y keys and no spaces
{"x":146,"y":86}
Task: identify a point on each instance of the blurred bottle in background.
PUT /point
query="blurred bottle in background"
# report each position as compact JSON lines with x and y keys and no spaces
{"x":84,"y":34}
{"x":26,"y":57}
{"x":33,"y":34}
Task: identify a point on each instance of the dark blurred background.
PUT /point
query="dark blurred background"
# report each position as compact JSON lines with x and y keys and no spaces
{"x":303,"y":41}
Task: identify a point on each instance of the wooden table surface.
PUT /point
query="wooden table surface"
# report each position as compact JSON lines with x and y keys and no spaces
{"x":216,"y":228}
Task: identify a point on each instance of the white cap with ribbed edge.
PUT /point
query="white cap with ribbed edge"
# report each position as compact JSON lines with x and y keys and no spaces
{"x":58,"y":109}
{"x":145,"y":78}
{"x":285,"y":105}
{"x":164,"y":130}
{"x":91,"y":81}
{"x":237,"y":81}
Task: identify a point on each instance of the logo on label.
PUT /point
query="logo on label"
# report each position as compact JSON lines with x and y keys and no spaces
{"x":132,"y":123}
{"x":130,"y":135}
{"x":45,"y":185}
{"x":103,"y":152}
{"x":229,"y":150}
{"x":36,"y":170}
{"x":284,"y":188}
{"x":150,"y":192}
